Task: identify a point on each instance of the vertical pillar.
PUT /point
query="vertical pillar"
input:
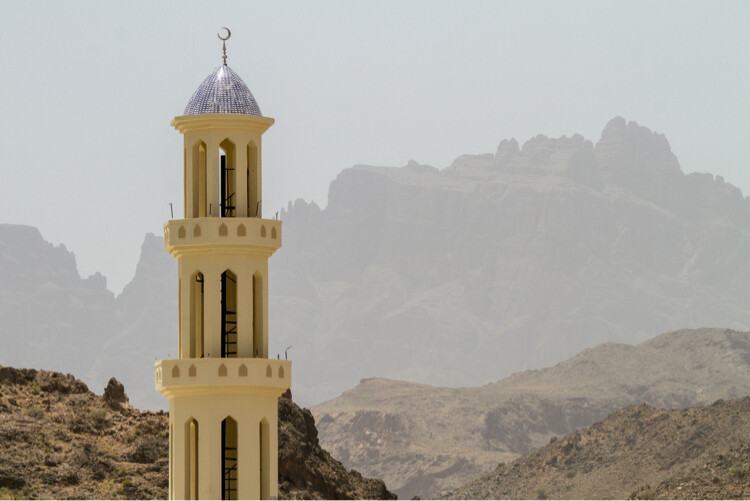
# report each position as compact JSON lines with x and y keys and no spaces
{"x":259,"y":347}
{"x":264,"y":314}
{"x":174,"y":444}
{"x":248,"y":457}
{"x":273,"y":449}
{"x":245,"y":315}
{"x":188,"y":180}
{"x":209,"y":456}
{"x":258,"y":184}
{"x":185,"y":306}
{"x":213,"y":178}
{"x":212,"y":313}
{"x":240,"y":171}
{"x":264,"y":454}
{"x":177,"y":483}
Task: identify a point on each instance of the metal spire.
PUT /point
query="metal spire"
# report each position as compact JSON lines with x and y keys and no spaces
{"x":224,"y":43}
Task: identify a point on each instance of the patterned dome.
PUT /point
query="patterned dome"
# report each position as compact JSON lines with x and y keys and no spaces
{"x":223,"y":91}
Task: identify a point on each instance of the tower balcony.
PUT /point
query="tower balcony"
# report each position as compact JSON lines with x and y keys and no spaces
{"x":223,"y":375}
{"x":249,"y":235}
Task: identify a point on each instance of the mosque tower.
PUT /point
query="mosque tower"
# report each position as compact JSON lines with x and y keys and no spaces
{"x":222,"y":388}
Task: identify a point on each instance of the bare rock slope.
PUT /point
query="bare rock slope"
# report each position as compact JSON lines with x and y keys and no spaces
{"x":639,"y":451}
{"x":60,"y":441}
{"x":423,"y":439}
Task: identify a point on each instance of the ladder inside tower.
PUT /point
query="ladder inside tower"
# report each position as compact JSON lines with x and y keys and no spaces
{"x":228,"y":191}
{"x":228,"y":315}
{"x":229,"y":459}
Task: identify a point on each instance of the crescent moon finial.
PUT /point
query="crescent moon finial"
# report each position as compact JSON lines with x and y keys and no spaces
{"x":224,"y":43}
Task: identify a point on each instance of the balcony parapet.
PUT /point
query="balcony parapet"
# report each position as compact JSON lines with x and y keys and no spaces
{"x":249,"y":235}
{"x":222,"y":375}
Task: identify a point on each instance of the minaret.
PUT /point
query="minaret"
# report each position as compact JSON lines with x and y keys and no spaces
{"x":223,"y":388}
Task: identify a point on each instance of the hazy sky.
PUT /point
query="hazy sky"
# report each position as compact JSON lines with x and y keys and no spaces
{"x":89,"y":88}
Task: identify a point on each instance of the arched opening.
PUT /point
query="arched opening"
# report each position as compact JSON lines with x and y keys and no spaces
{"x":228,"y":179}
{"x":229,"y":458}
{"x":258,"y":348}
{"x":253,"y":199}
{"x":199,"y":180}
{"x":265,"y":460}
{"x":196,"y":315}
{"x":228,"y":315}
{"x":191,"y":459}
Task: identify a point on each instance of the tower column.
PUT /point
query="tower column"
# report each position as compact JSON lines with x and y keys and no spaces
{"x":213,"y":178}
{"x":273,"y":443}
{"x":257,"y":181}
{"x":241,"y":173}
{"x":185,"y":306}
{"x":212,"y":325}
{"x":248,"y":459}
{"x":209,"y":456}
{"x":245,"y":316}
{"x":189,"y":175}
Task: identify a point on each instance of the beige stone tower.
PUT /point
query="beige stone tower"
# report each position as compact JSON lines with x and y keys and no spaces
{"x":223,"y":388}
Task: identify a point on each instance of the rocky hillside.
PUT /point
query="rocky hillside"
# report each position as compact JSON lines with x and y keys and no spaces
{"x":60,"y":441}
{"x":423,"y":440}
{"x":639,"y":451}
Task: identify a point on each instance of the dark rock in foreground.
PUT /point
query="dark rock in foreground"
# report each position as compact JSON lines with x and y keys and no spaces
{"x":60,"y":441}
{"x":306,"y":471}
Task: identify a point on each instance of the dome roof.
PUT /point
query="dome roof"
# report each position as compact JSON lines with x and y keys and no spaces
{"x":223,"y":91}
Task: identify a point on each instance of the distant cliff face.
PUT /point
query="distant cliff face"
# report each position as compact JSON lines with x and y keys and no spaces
{"x":51,"y":317}
{"x":504,"y":262}
{"x":498,"y":263}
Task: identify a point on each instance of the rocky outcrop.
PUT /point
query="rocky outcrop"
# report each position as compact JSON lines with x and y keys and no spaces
{"x":60,"y":441}
{"x":306,"y":471}
{"x":695,"y":453}
{"x":423,"y":440}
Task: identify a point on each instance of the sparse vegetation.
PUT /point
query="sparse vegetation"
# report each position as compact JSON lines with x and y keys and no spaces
{"x":35,"y":389}
{"x":736,"y":471}
{"x":98,"y":415}
{"x":35,"y":412}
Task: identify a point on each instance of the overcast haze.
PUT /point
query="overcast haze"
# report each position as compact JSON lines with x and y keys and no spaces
{"x":89,"y":88}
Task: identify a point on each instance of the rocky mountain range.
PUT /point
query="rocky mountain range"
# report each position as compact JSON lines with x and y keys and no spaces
{"x":638,"y":452}
{"x":501,"y":262}
{"x":52,"y":318}
{"x":423,"y":440}
{"x":58,"y":440}
{"x":507,"y":261}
